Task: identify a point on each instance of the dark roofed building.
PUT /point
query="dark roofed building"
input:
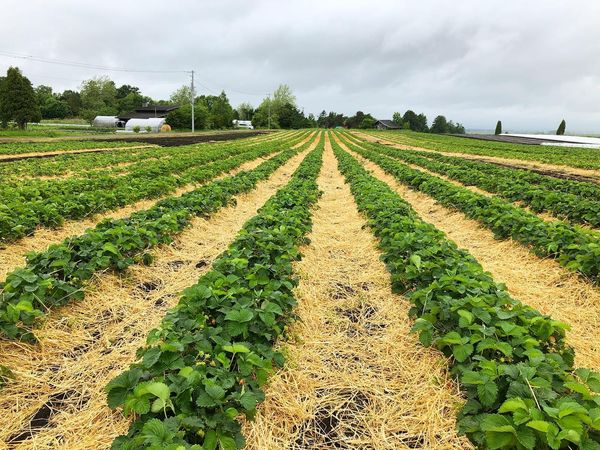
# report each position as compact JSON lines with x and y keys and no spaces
{"x":386,"y":125}
{"x":147,"y":112}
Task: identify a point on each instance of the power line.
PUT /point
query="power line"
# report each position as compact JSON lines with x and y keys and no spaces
{"x":62,"y":62}
{"x":85,"y":65}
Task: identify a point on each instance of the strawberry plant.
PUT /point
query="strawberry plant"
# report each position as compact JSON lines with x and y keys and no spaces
{"x":205,"y":365}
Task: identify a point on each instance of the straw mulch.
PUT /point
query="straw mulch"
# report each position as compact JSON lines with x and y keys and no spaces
{"x":355,"y":376}
{"x":541,"y":283}
{"x":58,"y":399}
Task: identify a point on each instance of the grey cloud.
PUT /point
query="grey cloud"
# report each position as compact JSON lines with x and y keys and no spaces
{"x":527,"y":63}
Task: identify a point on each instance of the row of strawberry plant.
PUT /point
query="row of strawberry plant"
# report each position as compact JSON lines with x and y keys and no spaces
{"x":205,"y":365}
{"x":58,"y":275}
{"x":568,"y":156}
{"x":50,"y":202}
{"x":575,"y":248}
{"x":78,"y":164}
{"x":512,"y":362}
{"x":505,"y":183}
{"x":582,"y":189}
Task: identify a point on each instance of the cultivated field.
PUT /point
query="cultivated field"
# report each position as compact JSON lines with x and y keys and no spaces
{"x":300,"y":290}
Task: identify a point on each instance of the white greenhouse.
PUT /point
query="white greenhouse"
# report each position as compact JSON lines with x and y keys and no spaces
{"x":153,"y":122}
{"x":105,"y":122}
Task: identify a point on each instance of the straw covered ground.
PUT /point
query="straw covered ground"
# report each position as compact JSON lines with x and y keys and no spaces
{"x":355,"y":377}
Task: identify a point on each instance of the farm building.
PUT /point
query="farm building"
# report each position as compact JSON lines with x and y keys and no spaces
{"x":386,"y":125}
{"x":147,"y":112}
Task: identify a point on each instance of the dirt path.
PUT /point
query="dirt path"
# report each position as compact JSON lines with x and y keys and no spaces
{"x":565,"y":172}
{"x":540,"y":283}
{"x":84,"y":345}
{"x":355,"y":376}
{"x":12,"y":255}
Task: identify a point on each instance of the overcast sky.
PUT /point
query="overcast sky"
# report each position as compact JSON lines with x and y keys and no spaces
{"x":528,"y":63}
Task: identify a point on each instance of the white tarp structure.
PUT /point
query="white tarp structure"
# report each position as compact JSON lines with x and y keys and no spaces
{"x":563,"y":140}
{"x":243,"y":124}
{"x":153,"y":122}
{"x":105,"y":121}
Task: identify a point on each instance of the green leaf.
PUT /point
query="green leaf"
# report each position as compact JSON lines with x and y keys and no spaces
{"x":249,"y":400}
{"x":512,"y":404}
{"x":236,"y":348}
{"x":462,"y":352}
{"x":568,"y":408}
{"x":539,"y":425}
{"x":526,"y":438}
{"x":487,"y":393}
{"x":161,"y":390}
{"x":239,"y":315}
{"x":415,"y":260}
{"x":214,"y":390}
{"x":210,"y":440}
{"x":227,"y":443}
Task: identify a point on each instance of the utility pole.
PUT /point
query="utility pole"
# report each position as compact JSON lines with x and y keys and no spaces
{"x":269,"y":97}
{"x":193,"y":99}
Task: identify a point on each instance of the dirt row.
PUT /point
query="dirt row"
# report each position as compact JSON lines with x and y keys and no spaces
{"x":563,"y":172}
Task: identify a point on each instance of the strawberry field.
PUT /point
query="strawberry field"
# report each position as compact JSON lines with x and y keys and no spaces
{"x":299,"y":289}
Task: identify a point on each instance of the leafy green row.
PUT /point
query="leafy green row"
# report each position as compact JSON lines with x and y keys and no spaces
{"x":79,"y":163}
{"x":580,"y":188}
{"x":58,"y":275}
{"x":569,"y":156}
{"x":206,"y":363}
{"x":575,"y":248}
{"x":511,"y":362}
{"x":14,"y":148}
{"x":506,"y":183}
{"x":49,"y":203}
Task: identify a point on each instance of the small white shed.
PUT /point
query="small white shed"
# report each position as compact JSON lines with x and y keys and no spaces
{"x":153,"y":122}
{"x":105,"y":121}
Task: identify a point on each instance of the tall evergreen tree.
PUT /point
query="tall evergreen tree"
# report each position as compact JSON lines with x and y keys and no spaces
{"x":439,"y":125}
{"x":561,"y":128}
{"x":17,"y":99}
{"x":498,"y":128}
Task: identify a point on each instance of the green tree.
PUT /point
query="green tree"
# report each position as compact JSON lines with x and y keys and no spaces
{"x":439,"y":125}
{"x":98,"y":98}
{"x":73,"y":99}
{"x":220,"y":112}
{"x":421,"y":124}
{"x":498,"y":128}
{"x":561,"y":128}
{"x":182,"y":96}
{"x":368,"y":122}
{"x":181,"y":118}
{"x":245,"y":111}
{"x":17,"y":99}
{"x":397,"y":118}
{"x":50,"y":104}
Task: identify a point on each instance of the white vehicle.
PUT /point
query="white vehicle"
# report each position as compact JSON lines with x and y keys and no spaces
{"x":246,"y":124}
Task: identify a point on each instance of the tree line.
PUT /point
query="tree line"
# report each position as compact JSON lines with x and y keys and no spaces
{"x":21,"y":103}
